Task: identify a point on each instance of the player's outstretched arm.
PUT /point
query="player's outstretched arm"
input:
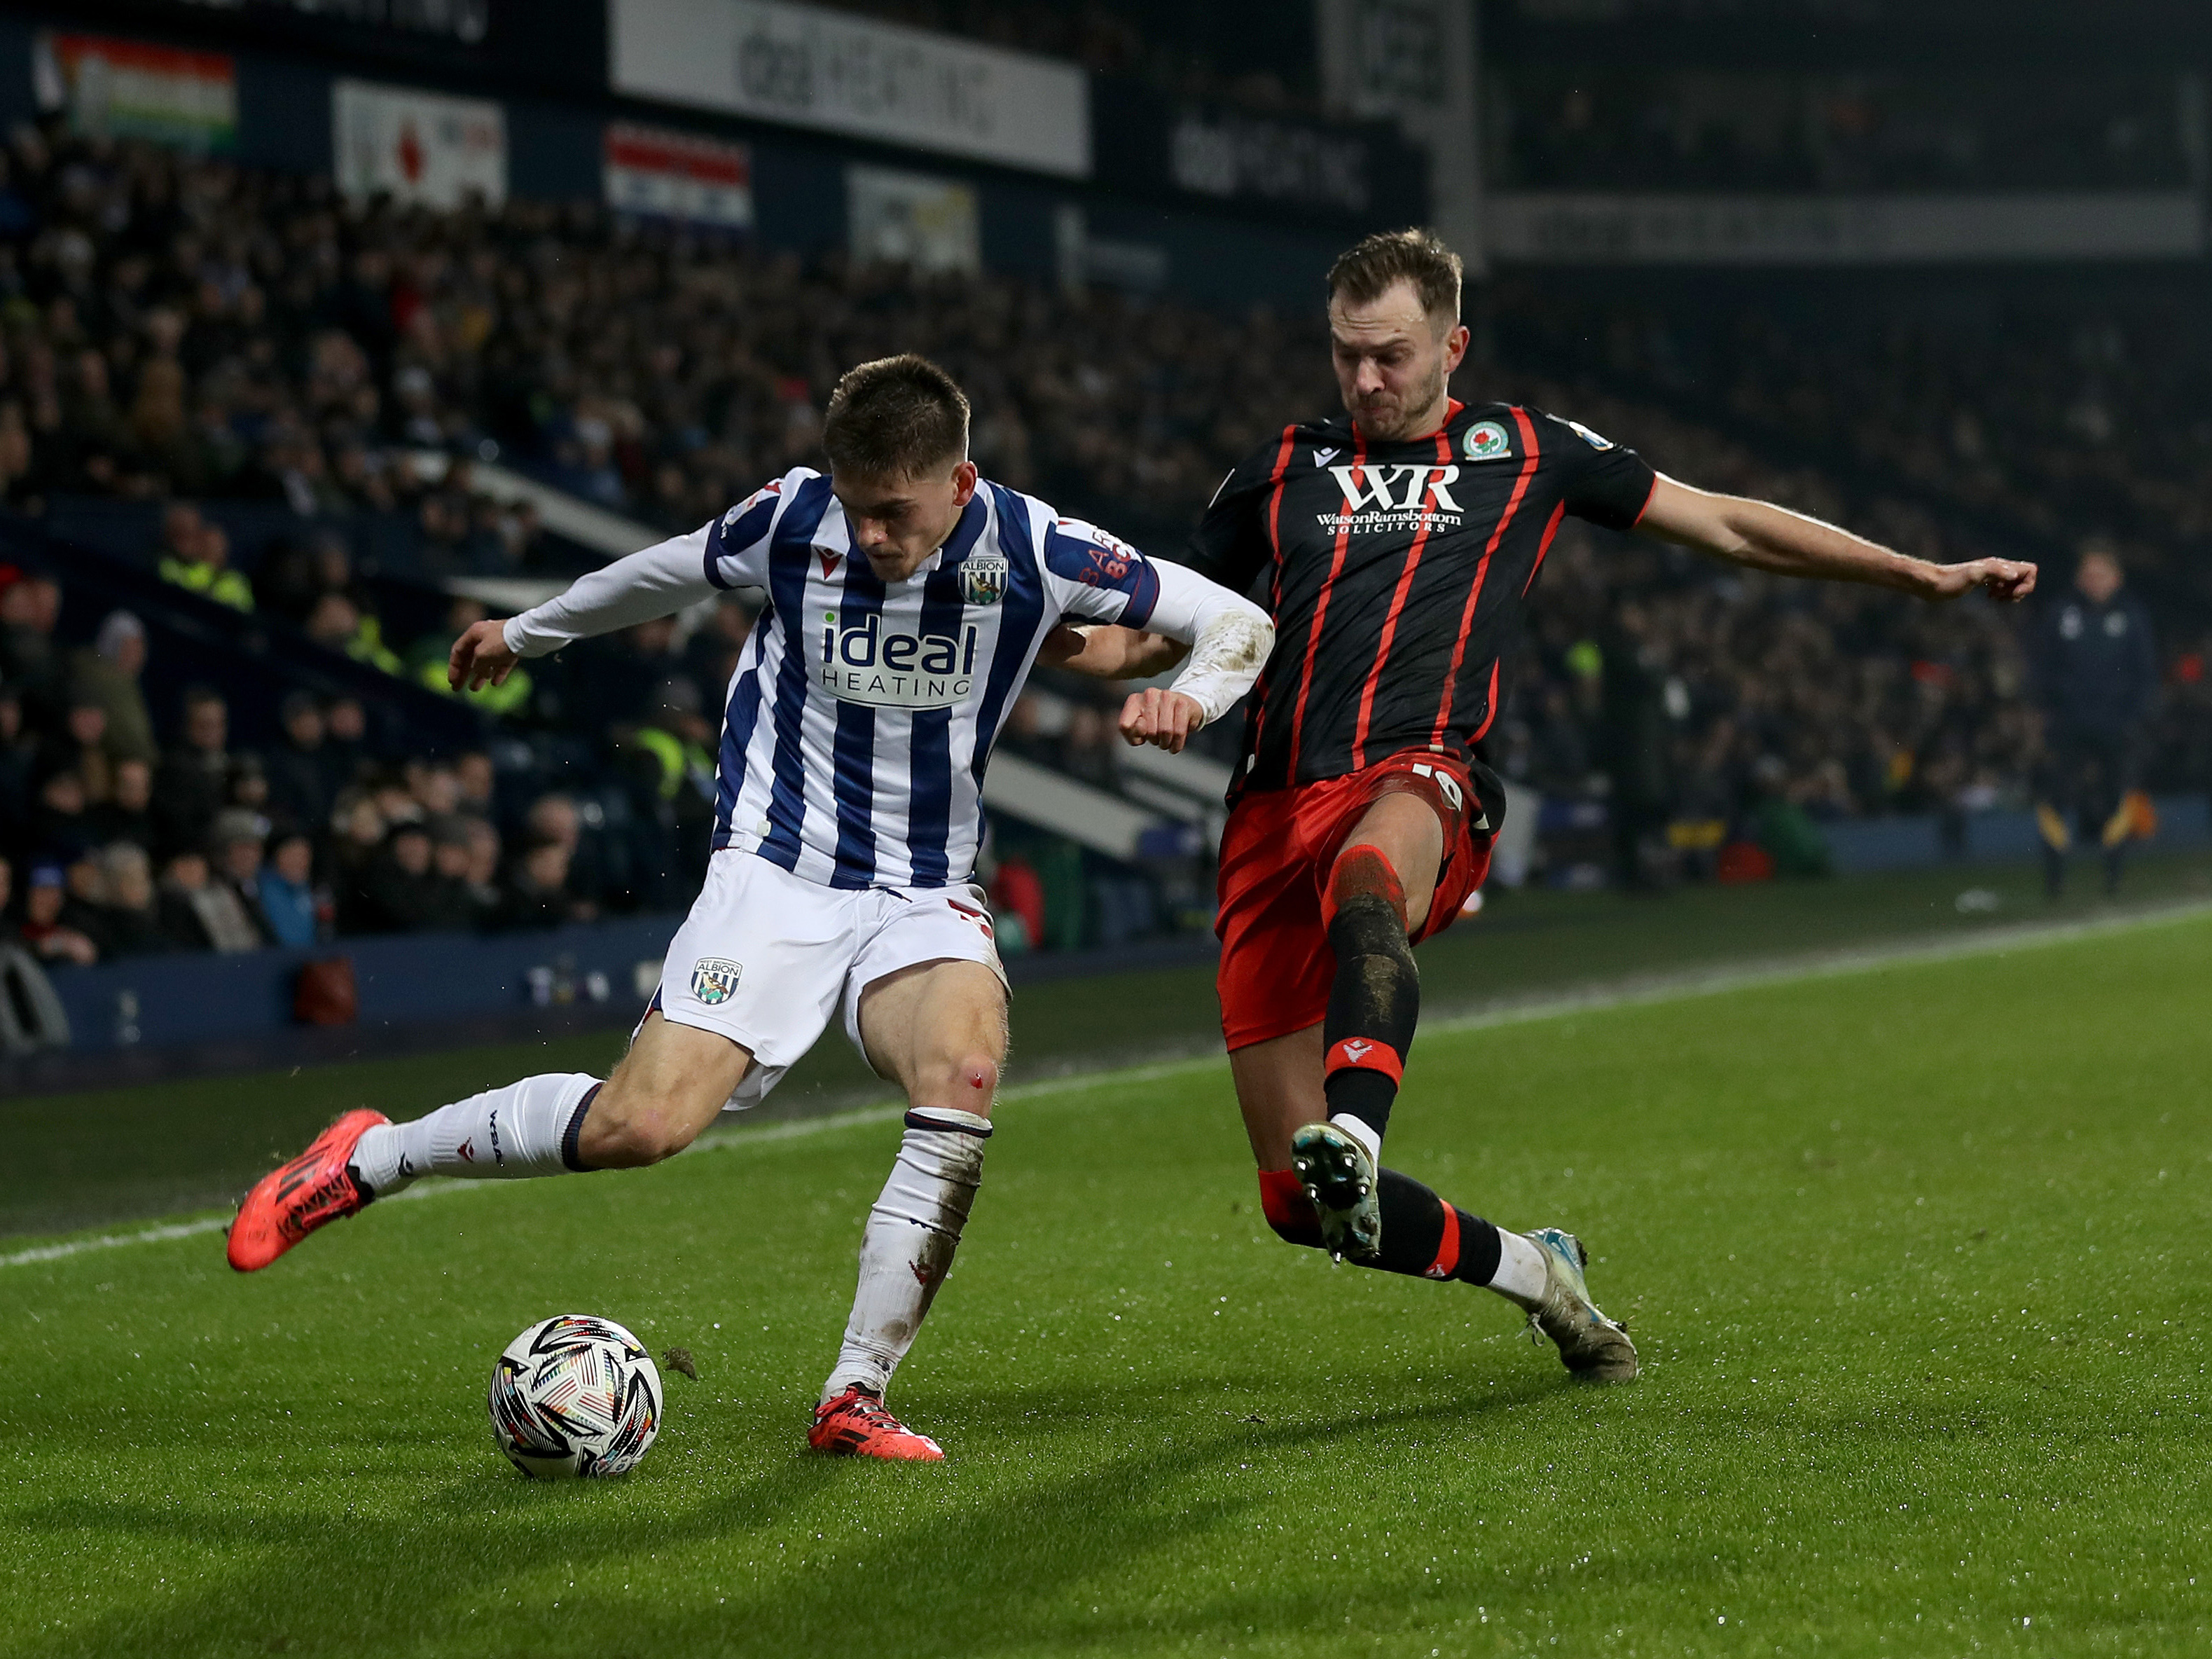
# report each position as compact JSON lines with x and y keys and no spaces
{"x":1769,"y":538}
{"x":657,"y":581}
{"x":1108,"y":651}
{"x":1228,"y":638}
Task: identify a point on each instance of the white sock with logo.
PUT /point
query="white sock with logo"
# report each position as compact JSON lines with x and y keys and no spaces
{"x":1520,"y":1276}
{"x":907,"y":1248}
{"x":527,"y":1128}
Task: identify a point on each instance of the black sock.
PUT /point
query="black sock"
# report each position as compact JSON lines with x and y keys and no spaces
{"x":1373,"y":1005}
{"x":1423,"y":1237}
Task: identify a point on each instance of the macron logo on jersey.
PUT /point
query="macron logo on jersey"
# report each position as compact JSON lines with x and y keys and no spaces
{"x":862,"y":663}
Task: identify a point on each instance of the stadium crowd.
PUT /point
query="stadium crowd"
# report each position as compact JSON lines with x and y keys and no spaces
{"x":183,"y":330}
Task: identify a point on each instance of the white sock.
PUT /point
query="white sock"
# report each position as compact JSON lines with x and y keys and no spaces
{"x":906,"y":1248}
{"x":502,"y":1134}
{"x":1358,"y":1128}
{"x":1520,"y":1276}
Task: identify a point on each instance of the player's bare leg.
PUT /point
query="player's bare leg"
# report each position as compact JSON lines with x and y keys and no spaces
{"x":666,"y":1089}
{"x":938,"y":1030}
{"x":1316,"y":1103}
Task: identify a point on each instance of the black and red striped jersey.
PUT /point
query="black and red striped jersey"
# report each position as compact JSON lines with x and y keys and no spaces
{"x":1397,"y":575}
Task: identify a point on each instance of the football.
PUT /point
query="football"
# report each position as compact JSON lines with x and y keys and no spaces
{"x":574,"y":1395}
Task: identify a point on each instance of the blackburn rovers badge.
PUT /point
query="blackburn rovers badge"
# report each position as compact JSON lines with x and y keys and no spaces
{"x":1485,"y":441}
{"x":714,"y":979}
{"x":983,"y":577}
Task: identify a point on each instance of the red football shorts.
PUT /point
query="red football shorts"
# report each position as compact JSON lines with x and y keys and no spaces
{"x":1276,"y":964}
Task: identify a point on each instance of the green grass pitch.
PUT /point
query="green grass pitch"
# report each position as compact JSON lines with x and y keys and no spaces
{"x":1920,"y":1259}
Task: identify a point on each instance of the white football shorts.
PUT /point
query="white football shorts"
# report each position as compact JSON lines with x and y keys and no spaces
{"x":765,"y":959}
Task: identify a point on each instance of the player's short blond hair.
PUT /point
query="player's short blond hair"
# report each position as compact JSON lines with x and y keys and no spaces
{"x":1365,"y":272}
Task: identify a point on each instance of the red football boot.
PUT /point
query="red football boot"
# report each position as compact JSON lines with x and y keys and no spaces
{"x":294,"y":1199}
{"x":855,"y":1425}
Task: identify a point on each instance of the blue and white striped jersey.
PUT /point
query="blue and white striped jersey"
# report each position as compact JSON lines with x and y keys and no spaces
{"x":861,"y":715}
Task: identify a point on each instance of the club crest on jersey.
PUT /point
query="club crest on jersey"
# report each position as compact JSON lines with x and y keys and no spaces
{"x":865,"y":662}
{"x":983,"y":577}
{"x":714,"y":979}
{"x":1485,"y":441}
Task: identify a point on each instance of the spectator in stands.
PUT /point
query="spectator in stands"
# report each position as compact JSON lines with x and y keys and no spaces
{"x":710,"y":655}
{"x":236,"y":846}
{"x":42,"y":931}
{"x":297,"y":575}
{"x":537,"y":889}
{"x":335,"y":623}
{"x":128,"y":922}
{"x":296,"y":910}
{"x":59,"y":832}
{"x":204,"y":914}
{"x":126,"y":815}
{"x":477,"y":785}
{"x":109,"y":674}
{"x":18,"y":760}
{"x":30,"y":608}
{"x":301,"y":788}
{"x":402,"y":892}
{"x":200,"y":563}
{"x":81,"y":747}
{"x":555,"y":818}
{"x":449,"y":864}
{"x":480,"y":878}
{"x":345,"y":739}
{"x":194,"y":778}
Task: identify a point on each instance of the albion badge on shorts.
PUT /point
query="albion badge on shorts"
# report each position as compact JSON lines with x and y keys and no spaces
{"x":714,"y":979}
{"x":983,"y":577}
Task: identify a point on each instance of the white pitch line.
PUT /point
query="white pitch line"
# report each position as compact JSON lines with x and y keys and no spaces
{"x":1639,"y":994}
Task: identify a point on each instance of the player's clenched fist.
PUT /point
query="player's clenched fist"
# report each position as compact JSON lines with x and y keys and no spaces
{"x":1163,"y":719}
{"x":480,"y":658}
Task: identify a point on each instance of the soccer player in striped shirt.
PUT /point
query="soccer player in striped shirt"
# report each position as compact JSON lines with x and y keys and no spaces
{"x":1400,"y":546}
{"x":908,"y":600}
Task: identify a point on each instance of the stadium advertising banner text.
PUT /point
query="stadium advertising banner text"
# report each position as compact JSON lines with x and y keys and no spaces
{"x":678,"y":175}
{"x":843,"y":74}
{"x":419,"y":147}
{"x":129,"y":89}
{"x":913,"y":219}
{"x":466,"y":21}
{"x":1566,"y":227}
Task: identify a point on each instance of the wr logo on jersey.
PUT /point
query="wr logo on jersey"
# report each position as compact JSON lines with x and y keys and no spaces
{"x":1395,"y":488}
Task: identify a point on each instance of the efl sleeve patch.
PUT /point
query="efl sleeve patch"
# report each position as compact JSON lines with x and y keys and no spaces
{"x":1112,"y":581}
{"x":737,"y":543}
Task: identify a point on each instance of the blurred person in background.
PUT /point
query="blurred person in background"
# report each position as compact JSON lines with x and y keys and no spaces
{"x":19,"y":753}
{"x":43,"y":932}
{"x":2095,"y":672}
{"x":30,"y":609}
{"x":357,"y":836}
{"x":480,"y":879}
{"x":127,"y":813}
{"x":237,"y":844}
{"x":129,"y":922}
{"x":537,"y":889}
{"x":710,"y":655}
{"x":668,"y":760}
{"x":556,"y":817}
{"x":194,"y":778}
{"x":110,"y":674}
{"x":345,"y":740}
{"x":301,"y":788}
{"x":199,"y":563}
{"x":81,"y":747}
{"x":59,"y":832}
{"x":202,"y":913}
{"x":457,"y":910}
{"x":297,"y":912}
{"x":477,"y":784}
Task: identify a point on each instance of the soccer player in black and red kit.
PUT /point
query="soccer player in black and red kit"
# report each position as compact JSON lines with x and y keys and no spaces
{"x":1399,"y":546}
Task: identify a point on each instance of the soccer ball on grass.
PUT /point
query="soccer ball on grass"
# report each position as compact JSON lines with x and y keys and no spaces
{"x":575,"y":1395}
